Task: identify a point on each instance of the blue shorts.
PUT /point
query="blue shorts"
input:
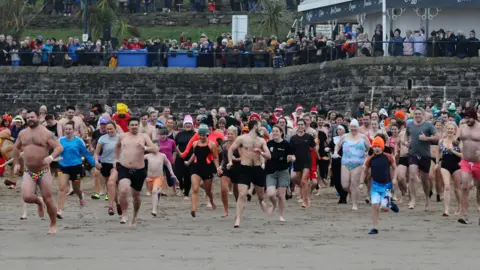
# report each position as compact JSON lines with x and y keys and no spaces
{"x":378,"y":193}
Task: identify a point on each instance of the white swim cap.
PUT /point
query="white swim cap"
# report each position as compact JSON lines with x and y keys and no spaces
{"x":354,"y":123}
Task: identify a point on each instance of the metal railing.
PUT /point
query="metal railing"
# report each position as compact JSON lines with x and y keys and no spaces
{"x":294,"y":55}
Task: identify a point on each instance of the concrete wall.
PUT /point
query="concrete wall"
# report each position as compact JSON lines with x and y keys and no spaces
{"x":340,"y":84}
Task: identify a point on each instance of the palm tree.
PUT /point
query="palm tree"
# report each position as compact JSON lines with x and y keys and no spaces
{"x":276,"y":18}
{"x":104,"y":12}
{"x":14,"y":18}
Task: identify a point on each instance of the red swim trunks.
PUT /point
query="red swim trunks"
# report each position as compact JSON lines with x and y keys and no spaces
{"x":470,"y":167}
{"x":313,"y":171}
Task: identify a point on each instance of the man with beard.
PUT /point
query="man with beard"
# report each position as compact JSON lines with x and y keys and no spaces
{"x":131,"y":170}
{"x":250,"y":170}
{"x":80,"y":128}
{"x":36,"y":141}
{"x":469,"y":136}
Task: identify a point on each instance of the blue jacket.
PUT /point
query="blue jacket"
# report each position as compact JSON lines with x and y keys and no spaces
{"x":72,"y":52}
{"x":46,"y":52}
{"x":73,"y":150}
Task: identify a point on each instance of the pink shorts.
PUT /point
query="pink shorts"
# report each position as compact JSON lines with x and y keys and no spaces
{"x":470,"y":167}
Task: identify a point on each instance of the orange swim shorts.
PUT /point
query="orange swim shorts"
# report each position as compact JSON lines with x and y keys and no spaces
{"x":154,"y":182}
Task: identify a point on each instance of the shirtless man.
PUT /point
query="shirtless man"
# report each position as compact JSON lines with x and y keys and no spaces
{"x":80,"y":128}
{"x":365,"y":128}
{"x":165,"y":115}
{"x":254,"y":148}
{"x":131,"y":171}
{"x":36,"y":141}
{"x":147,"y":128}
{"x":469,"y":136}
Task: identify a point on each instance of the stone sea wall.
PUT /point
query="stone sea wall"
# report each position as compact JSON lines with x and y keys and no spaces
{"x":339,"y":84}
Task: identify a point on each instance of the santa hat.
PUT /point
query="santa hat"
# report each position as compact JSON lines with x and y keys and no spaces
{"x":298,"y":107}
{"x":254,"y":115}
{"x":279,"y":109}
{"x":188,"y":120}
{"x":314,"y":110}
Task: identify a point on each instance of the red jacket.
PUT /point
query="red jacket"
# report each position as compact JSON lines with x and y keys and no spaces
{"x":139,"y":45}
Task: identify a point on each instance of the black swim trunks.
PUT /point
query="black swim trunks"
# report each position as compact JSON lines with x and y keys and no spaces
{"x":106,"y":169}
{"x":403,"y":161}
{"x":250,"y":174}
{"x":423,"y":163}
{"x":136,"y":176}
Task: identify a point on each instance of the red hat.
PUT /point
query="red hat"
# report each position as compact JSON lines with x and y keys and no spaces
{"x":279,"y":109}
{"x":254,"y":115}
{"x":314,"y":110}
{"x":298,"y":107}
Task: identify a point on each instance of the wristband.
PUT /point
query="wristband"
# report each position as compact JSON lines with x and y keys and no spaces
{"x":51,"y":157}
{"x":144,"y":148}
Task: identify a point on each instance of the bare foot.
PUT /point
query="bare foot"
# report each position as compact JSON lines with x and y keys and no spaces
{"x":384,"y":209}
{"x":53,"y":230}
{"x":457,"y":211}
{"x":133,"y":224}
{"x":270,"y":210}
{"x":154,"y":214}
{"x":24,"y":216}
{"x":209,"y":205}
{"x":282,"y":219}
{"x":214,"y":206}
{"x":124,"y":220}
{"x":237,"y":223}
{"x":411,"y":205}
{"x":354,"y":207}
{"x":225,"y":214}
{"x":478,"y":207}
{"x":427,"y":205}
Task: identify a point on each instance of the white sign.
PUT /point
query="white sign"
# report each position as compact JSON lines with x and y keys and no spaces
{"x":85,"y":37}
{"x":239,"y":27}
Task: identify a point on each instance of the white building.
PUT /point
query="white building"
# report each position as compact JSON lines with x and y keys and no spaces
{"x":456,"y":15}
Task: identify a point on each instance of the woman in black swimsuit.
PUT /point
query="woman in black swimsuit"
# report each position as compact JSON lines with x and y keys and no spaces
{"x":450,"y":156}
{"x":203,"y":167}
{"x":227,"y":176}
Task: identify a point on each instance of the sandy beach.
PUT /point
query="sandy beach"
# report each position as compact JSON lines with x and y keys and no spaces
{"x":325,"y":236}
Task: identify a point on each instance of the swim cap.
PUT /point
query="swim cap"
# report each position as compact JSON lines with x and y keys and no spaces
{"x":203,"y":129}
{"x":354,"y":123}
{"x":378,"y":142}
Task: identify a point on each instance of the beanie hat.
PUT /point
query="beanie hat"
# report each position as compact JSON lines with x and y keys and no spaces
{"x":203,"y":129}
{"x":188,"y":119}
{"x":254,"y":115}
{"x":400,"y":115}
{"x":378,"y":142}
{"x":122,"y":108}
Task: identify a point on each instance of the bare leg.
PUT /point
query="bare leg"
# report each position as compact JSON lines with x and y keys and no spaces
{"x":96,"y":181}
{"x":242,"y":195}
{"x":375,"y":215}
{"x":235,"y":192}
{"x":355,"y":181}
{"x":260,"y":195}
{"x":28,"y":194}
{"x":124,"y":188}
{"x":208,"y":190}
{"x":112,"y":188}
{"x":195,"y":190}
{"x":477,"y":184}
{"x":155,"y":198}
{"x":345,"y":178}
{"x":426,"y":189}
{"x":438,"y":180}
{"x":225,"y":183}
{"x":412,"y":179}
{"x":77,"y":189}
{"x":272,"y":196}
{"x":281,"y":201}
{"x":304,"y":188}
{"x":63,"y":181}
{"x":402,"y":172}
{"x":446,"y":191}
{"x":456,"y":190}
{"x":466,"y":179}
{"x":136,"y":206}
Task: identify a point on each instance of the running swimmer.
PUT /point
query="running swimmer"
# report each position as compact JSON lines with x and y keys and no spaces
{"x":71,"y":166}
{"x":381,"y":164}
{"x":228,"y":175}
{"x":469,"y":135}
{"x":146,"y":128}
{"x":131,"y":169}
{"x":419,"y":135}
{"x":104,"y":160}
{"x":254,"y":148}
{"x":156,"y":176}
{"x":276,"y":169}
{"x":36,"y":141}
{"x":181,"y":171}
{"x":203,"y":168}
{"x":355,"y":145}
{"x":450,"y":156}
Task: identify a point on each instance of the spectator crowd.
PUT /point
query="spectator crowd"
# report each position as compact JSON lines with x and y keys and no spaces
{"x":251,"y":52}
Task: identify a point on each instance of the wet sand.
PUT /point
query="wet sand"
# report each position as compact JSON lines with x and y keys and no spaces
{"x":325,"y":236}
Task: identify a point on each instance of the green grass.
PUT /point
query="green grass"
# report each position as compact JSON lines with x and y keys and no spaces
{"x":162,"y":32}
